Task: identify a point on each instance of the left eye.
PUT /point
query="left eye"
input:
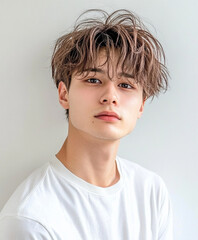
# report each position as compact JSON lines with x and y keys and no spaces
{"x":125,"y":85}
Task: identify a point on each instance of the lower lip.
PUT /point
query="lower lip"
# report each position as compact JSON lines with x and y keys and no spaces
{"x":108,"y":118}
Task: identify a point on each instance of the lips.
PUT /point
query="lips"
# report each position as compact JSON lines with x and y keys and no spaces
{"x":110,"y":114}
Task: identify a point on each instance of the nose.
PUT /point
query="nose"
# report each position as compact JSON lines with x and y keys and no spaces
{"x":109,"y":96}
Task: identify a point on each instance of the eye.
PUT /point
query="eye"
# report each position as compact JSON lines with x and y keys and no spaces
{"x":93,"y":80}
{"x":126,"y":85}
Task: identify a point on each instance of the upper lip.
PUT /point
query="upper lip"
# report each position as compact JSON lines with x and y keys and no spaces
{"x":106,"y":113}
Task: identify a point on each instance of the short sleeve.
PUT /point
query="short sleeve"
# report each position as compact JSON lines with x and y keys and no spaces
{"x":20,"y":228}
{"x":165,"y":215}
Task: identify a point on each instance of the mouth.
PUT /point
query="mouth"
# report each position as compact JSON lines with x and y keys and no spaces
{"x":108,"y":116}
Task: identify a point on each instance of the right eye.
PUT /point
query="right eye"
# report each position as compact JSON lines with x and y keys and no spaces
{"x":92,"y":80}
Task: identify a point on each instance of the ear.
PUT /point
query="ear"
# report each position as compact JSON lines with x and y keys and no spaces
{"x":63,"y":95}
{"x":141,"y":108}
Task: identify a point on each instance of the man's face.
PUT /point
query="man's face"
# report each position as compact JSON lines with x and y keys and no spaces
{"x":95,"y":93}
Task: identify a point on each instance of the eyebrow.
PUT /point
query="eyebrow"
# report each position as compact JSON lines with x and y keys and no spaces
{"x":99,"y":70}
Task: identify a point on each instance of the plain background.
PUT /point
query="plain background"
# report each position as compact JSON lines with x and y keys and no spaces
{"x":33,"y":125}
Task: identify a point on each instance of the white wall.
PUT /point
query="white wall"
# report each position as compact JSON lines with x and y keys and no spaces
{"x":33,"y":125}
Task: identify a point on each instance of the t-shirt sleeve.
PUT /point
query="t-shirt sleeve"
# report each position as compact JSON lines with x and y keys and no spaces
{"x":13,"y":228}
{"x":165,"y":215}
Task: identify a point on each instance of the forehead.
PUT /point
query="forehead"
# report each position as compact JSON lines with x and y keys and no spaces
{"x":105,"y":63}
{"x":105,"y":58}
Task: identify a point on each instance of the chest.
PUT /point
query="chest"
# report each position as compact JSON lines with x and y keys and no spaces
{"x":121,"y":216}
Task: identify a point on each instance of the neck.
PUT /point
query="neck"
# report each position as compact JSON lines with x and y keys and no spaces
{"x":93,"y":160}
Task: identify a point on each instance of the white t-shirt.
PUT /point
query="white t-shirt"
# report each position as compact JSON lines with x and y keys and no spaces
{"x":53,"y":203}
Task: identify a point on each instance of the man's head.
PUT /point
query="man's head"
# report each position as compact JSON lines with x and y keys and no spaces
{"x":138,"y":53}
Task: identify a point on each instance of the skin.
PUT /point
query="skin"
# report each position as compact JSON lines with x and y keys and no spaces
{"x":90,"y":149}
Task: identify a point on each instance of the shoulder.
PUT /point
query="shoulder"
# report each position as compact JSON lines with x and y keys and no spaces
{"x":149,"y":188}
{"x":22,"y":228}
{"x":25,"y":196}
{"x":132,"y":168}
{"x":140,"y":177}
{"x":19,"y":213}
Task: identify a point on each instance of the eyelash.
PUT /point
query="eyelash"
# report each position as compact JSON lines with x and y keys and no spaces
{"x":131,"y":87}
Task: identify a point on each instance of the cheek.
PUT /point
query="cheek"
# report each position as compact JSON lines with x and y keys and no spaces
{"x":131,"y":112}
{"x":81,"y":94}
{"x":131,"y":105}
{"x":79,"y":101}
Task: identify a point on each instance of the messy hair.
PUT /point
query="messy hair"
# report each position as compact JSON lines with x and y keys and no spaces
{"x":140,"y":53}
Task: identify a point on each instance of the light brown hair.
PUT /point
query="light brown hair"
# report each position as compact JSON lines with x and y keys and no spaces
{"x":140,"y":53}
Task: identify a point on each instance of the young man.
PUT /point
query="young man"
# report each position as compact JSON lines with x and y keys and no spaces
{"x":104,"y":70}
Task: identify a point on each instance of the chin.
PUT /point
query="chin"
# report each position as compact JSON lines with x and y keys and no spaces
{"x":109,"y":136}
